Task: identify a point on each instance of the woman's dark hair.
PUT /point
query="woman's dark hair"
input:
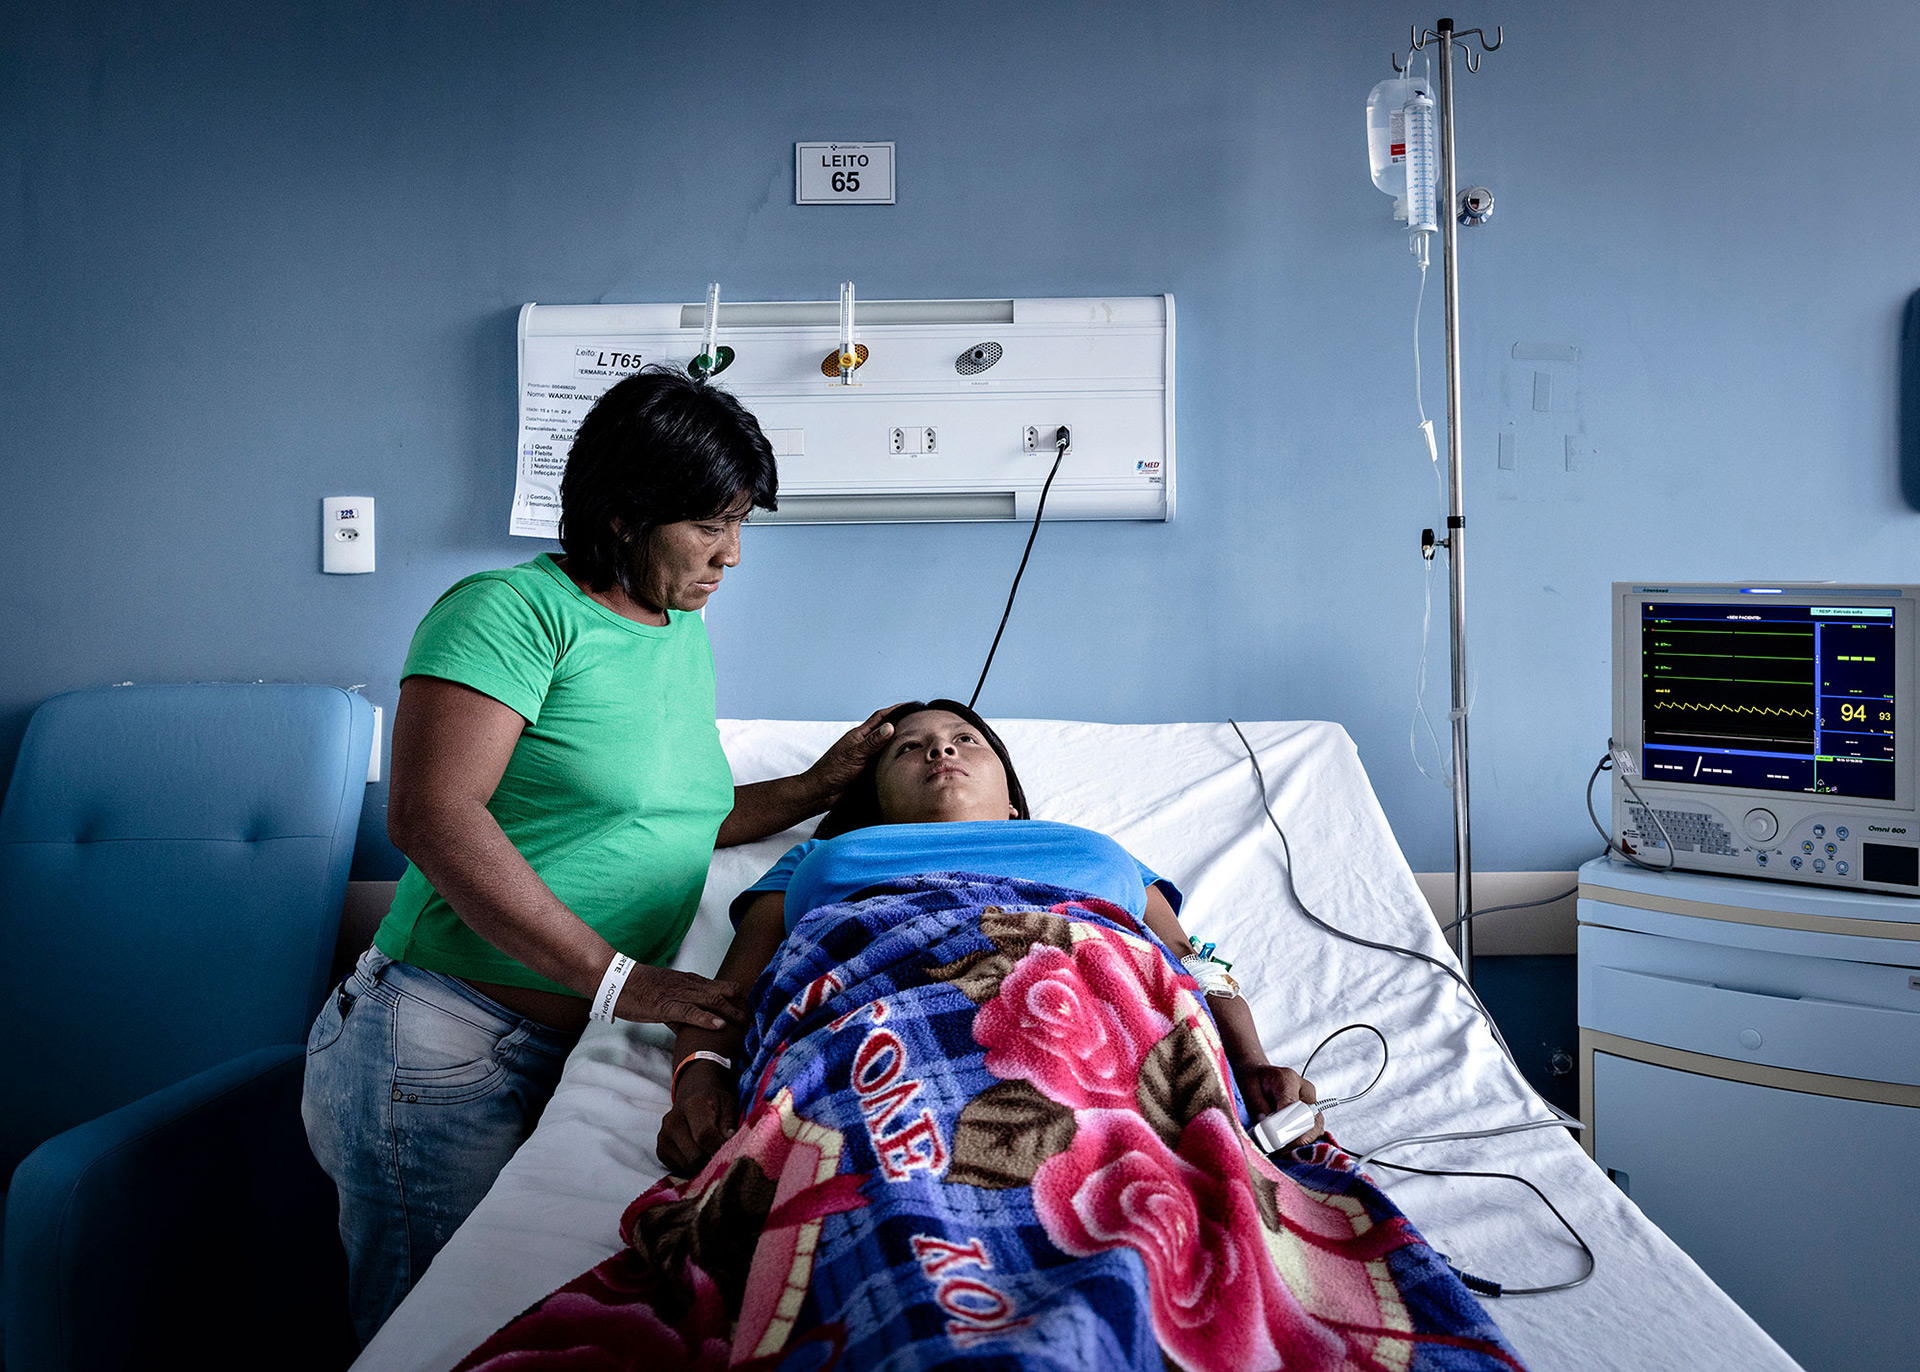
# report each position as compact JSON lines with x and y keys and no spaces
{"x":657,"y":448}
{"x":859,"y":805}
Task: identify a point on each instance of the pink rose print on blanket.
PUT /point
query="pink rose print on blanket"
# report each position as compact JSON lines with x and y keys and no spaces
{"x":1159,"y":979}
{"x":1217,"y":1300}
{"x":1077,"y":1025}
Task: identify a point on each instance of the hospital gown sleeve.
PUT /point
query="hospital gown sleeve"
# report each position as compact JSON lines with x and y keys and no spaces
{"x":1150,"y":878}
{"x":776,"y":879}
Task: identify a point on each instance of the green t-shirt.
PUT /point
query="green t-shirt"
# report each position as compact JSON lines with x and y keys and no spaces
{"x":617,"y":786}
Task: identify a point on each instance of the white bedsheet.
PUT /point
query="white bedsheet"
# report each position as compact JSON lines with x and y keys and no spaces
{"x":1182,"y":798}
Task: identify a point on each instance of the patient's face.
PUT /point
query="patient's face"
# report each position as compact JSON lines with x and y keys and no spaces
{"x":937,"y":768}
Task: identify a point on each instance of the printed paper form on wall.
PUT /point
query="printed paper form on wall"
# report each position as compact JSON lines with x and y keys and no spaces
{"x":560,"y":379}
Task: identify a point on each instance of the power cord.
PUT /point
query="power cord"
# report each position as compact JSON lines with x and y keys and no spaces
{"x":1064,"y":441}
{"x":1561,"y":1119}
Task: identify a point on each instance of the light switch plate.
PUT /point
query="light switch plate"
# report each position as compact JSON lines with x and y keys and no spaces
{"x":346,"y":534}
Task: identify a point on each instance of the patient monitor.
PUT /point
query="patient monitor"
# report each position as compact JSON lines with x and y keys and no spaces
{"x":1768,"y":731}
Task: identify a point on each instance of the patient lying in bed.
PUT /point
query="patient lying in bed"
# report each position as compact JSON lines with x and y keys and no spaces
{"x":942,"y":796}
{"x":983,"y":1115}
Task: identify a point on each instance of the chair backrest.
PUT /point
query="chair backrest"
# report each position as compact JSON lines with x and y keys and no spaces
{"x":172,"y":865}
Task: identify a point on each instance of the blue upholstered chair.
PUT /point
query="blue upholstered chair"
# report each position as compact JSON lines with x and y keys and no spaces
{"x":172,"y":865}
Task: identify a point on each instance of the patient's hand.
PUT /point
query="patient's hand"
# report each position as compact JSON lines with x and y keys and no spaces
{"x":1268,"y":1089}
{"x":705,"y":1114}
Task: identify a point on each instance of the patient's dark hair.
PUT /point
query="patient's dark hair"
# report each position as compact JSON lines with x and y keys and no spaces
{"x":859,"y":805}
{"x":658,"y":448}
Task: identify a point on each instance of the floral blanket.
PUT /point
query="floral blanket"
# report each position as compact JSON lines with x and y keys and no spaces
{"x":989,"y":1123}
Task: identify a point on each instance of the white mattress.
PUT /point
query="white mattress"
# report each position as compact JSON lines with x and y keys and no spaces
{"x":1182,"y":798}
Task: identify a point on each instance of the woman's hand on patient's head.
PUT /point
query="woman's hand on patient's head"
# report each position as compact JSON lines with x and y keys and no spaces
{"x":705,"y":1114}
{"x":1268,"y":1089}
{"x":848,"y":757}
{"x":659,"y":995}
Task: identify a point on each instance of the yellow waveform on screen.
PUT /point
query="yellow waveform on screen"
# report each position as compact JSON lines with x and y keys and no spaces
{"x":1731,"y":709}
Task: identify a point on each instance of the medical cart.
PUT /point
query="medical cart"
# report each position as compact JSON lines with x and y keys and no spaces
{"x":1750,"y":1055}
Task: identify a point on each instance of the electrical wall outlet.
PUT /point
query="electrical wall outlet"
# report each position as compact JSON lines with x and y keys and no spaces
{"x":912,"y":440}
{"x":929,"y":441}
{"x":346,"y":534}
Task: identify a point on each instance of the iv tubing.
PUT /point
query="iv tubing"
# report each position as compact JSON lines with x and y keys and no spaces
{"x":848,"y":358}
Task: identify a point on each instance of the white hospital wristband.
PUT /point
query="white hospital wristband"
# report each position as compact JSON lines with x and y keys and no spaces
{"x":610,"y":987}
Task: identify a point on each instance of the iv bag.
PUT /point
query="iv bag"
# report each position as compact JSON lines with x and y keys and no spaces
{"x":1387,"y":136}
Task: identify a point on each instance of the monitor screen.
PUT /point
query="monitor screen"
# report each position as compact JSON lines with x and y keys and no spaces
{"x":1769,"y":697}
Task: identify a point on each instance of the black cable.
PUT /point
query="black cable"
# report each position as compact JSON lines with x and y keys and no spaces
{"x":1605,"y":764}
{"x":1261,"y":778}
{"x":1064,"y":444}
{"x":1479,"y":1284}
{"x":1502,"y":909}
{"x":1386,"y":1056}
{"x":1493,"y":1288}
{"x":1560,"y":1116}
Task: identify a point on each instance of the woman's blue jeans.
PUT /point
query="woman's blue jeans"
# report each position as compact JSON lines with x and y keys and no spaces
{"x":418,"y":1090}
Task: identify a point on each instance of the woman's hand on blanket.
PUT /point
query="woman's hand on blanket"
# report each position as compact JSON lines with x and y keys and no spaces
{"x":847,"y":758}
{"x":1268,"y":1090}
{"x":659,"y":995}
{"x":705,"y":1114}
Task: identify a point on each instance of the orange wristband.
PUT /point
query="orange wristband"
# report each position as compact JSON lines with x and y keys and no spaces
{"x":697,"y":1055}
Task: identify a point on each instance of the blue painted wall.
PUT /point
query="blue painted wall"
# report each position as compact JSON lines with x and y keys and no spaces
{"x":253,"y":254}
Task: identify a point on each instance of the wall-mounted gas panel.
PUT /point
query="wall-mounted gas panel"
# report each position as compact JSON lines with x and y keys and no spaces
{"x":952,"y":414}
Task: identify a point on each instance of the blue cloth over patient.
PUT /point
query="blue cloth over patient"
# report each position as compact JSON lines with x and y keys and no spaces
{"x":824,"y":871}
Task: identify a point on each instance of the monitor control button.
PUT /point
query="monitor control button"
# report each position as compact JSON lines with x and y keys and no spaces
{"x":1840,"y":867}
{"x":1797,"y":860}
{"x":1807,"y":846}
{"x":1819,"y":831}
{"x":1761,"y":825}
{"x":1760,"y":858}
{"x":1819,"y":864}
{"x":1831,"y":850}
{"x":1841,"y":832}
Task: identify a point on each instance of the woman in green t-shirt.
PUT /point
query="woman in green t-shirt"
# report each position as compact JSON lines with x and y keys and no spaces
{"x":558,"y":789}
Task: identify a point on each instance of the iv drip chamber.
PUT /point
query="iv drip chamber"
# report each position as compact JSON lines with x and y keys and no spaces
{"x":1422,"y":170}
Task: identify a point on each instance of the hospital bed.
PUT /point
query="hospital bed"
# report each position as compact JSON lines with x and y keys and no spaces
{"x":1182,"y":797}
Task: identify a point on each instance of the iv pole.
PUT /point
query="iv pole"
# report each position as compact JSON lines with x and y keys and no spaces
{"x":1456,"y":540}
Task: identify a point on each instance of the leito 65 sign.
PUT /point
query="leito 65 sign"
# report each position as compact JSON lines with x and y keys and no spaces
{"x":843,"y":173}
